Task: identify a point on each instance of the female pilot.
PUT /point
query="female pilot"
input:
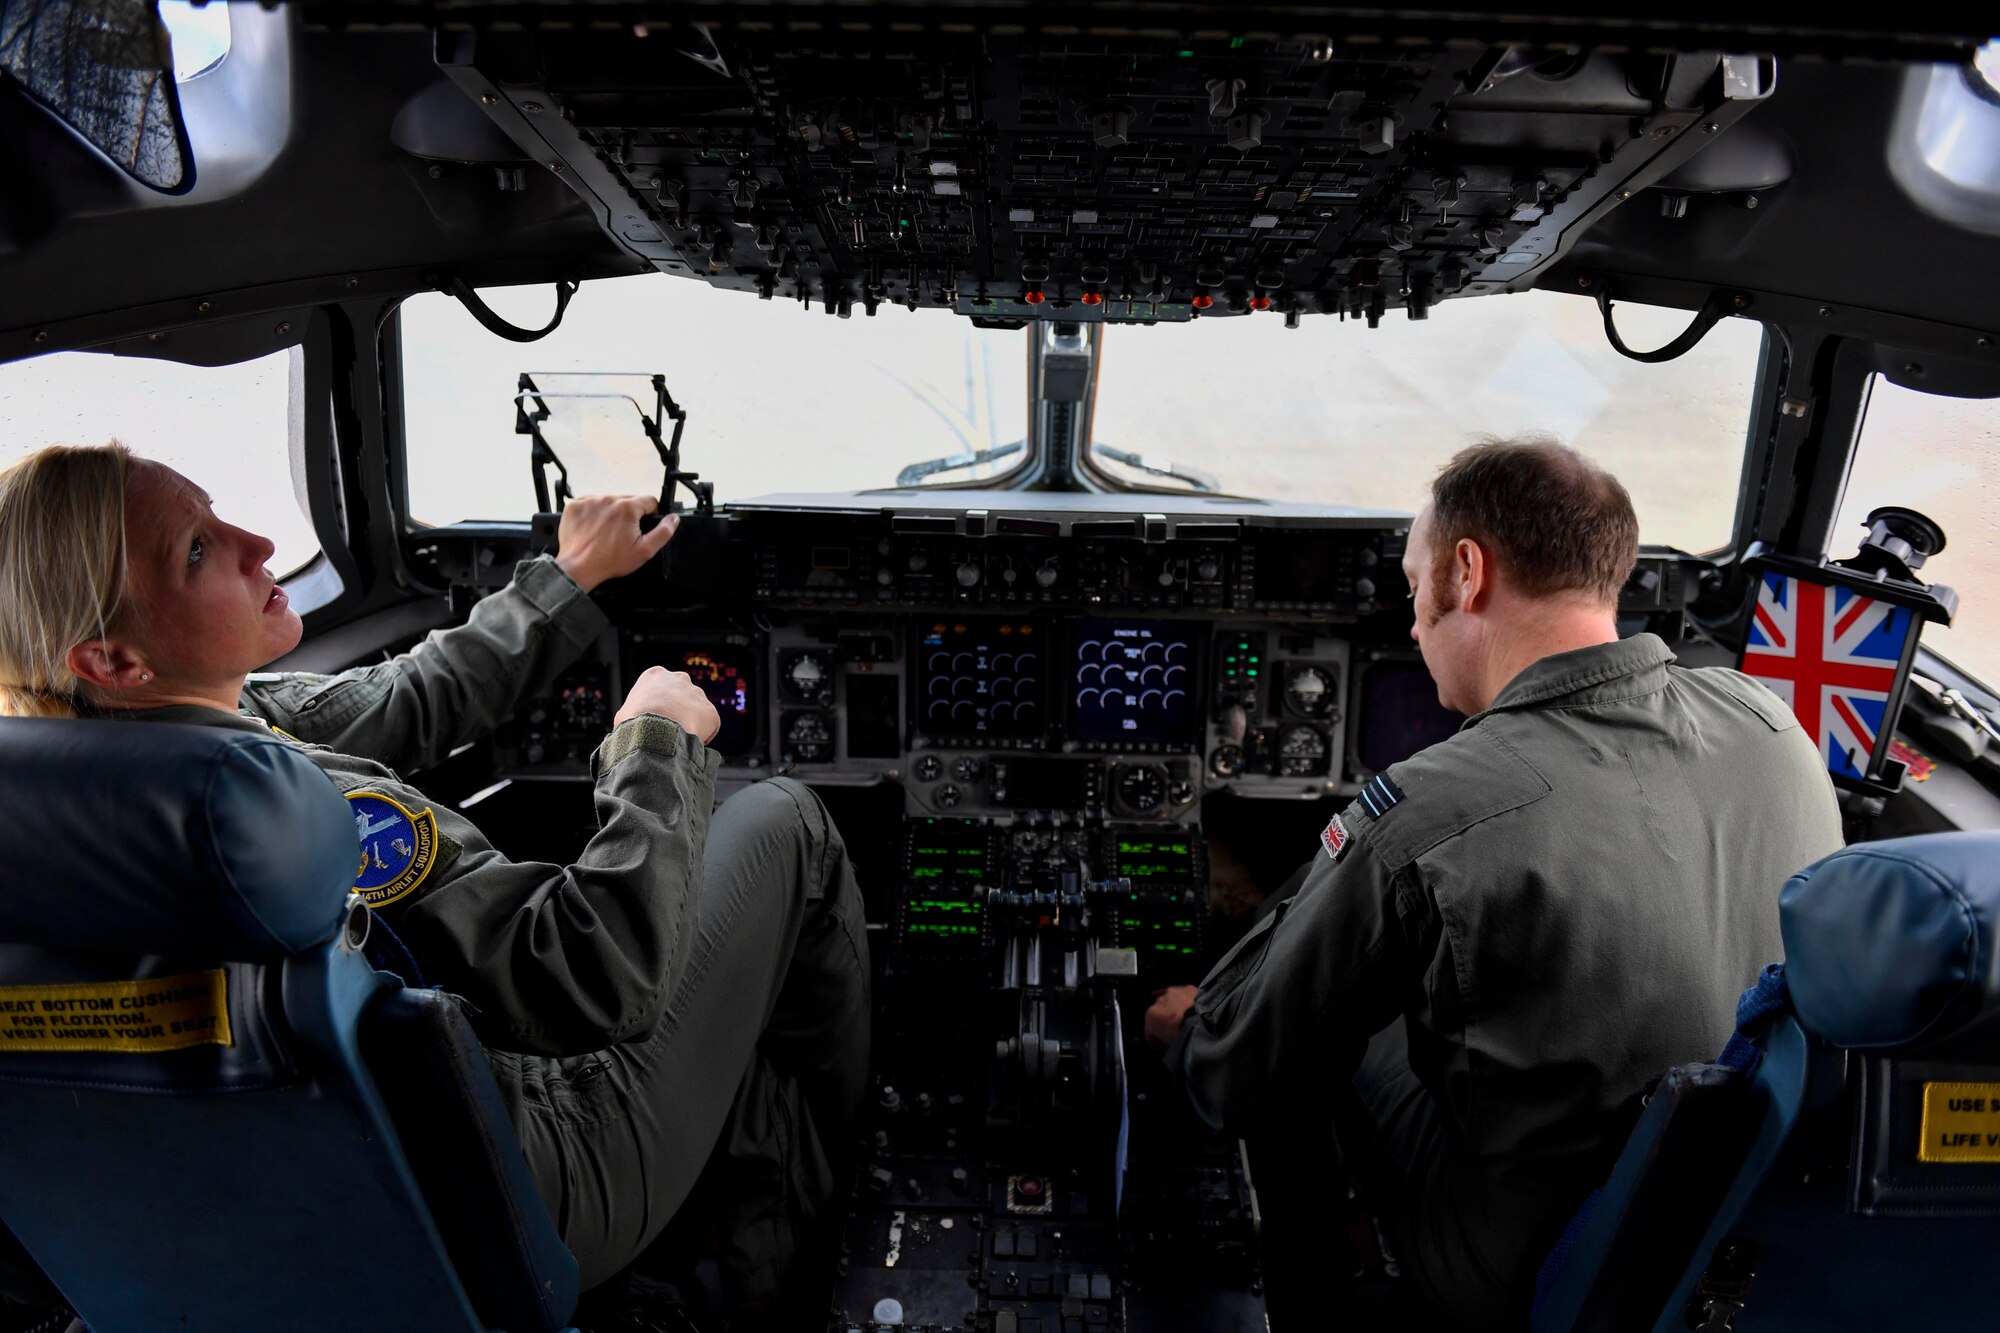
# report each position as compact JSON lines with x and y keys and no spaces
{"x":693,"y":990}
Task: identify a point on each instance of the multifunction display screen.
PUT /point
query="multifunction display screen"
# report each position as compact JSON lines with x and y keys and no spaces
{"x":1143,"y":858}
{"x":1132,"y":680}
{"x":947,"y":851}
{"x":1400,"y":714}
{"x":981,"y":678}
{"x":722,"y":670}
{"x":943,"y":906}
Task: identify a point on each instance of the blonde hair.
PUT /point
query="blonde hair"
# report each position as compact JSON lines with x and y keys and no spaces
{"x":62,"y":570}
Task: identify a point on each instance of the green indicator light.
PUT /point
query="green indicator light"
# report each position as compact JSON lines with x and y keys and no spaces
{"x":1185,"y":55}
{"x":1253,"y":671}
{"x":1236,"y":43}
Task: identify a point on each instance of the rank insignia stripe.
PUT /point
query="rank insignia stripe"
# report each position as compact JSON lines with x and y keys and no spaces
{"x":1335,"y":838}
{"x":1380,"y":795}
{"x":127,"y":1017}
{"x":399,"y":848}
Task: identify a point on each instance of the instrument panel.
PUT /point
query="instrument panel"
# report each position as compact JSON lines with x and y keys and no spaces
{"x":993,"y":664}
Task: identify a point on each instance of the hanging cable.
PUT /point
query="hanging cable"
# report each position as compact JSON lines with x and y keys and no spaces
{"x":1712,"y":310}
{"x":470,"y":299}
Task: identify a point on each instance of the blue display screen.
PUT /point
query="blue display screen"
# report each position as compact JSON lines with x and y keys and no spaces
{"x":1132,"y":680}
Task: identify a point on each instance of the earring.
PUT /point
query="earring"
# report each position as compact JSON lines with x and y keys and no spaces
{"x":145,"y":677}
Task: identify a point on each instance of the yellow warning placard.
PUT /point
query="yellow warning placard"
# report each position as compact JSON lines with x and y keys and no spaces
{"x":158,"y":1014}
{"x":1961,"y":1123}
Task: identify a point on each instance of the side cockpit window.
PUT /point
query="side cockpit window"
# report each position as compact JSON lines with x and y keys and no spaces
{"x":227,"y":425}
{"x":1941,"y":456}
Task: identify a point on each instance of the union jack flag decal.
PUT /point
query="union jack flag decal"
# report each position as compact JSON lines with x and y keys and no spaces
{"x":1833,"y":655}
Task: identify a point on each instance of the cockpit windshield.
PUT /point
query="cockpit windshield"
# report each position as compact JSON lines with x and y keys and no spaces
{"x":775,"y":399}
{"x":1331,"y":413}
{"x":1341,"y":414}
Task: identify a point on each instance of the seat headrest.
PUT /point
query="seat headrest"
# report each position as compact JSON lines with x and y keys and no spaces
{"x":1895,"y":946}
{"x":151,"y":838}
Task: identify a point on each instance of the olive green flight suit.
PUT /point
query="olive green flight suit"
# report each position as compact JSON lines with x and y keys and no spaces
{"x":693,"y":988}
{"x":1560,"y":901}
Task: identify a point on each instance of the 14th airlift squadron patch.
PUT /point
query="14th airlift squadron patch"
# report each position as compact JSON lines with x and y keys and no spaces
{"x":397,"y":848}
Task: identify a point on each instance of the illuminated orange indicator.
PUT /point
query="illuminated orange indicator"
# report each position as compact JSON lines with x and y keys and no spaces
{"x":1260,"y":303}
{"x":1202,"y":302}
{"x":1092,"y":298}
{"x":1035,"y":297}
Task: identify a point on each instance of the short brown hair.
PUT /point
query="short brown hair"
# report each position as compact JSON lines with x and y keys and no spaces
{"x":1555,"y":521}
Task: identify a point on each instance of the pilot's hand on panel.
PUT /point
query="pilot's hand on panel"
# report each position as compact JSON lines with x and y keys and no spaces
{"x":671,"y":695}
{"x":600,"y":539}
{"x":1169,"y":1011}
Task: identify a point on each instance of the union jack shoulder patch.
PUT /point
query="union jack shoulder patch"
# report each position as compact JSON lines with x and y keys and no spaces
{"x":1335,"y":838}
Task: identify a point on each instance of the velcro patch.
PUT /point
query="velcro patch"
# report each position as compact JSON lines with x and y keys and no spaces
{"x":1335,"y":837}
{"x":398,"y":848}
{"x":157,"y":1014}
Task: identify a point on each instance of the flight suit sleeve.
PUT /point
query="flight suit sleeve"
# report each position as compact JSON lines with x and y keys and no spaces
{"x":454,"y":687}
{"x":1286,"y":1014}
{"x":565,"y":960}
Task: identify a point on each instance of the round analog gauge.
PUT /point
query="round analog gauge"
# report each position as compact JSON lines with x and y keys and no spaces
{"x":947,"y":796}
{"x":1309,"y":690}
{"x":1141,"y":787}
{"x":928,"y":768}
{"x":968,"y":769}
{"x":808,"y":676}
{"x":1227,"y":761}
{"x":808,"y":738}
{"x":1302,"y":752}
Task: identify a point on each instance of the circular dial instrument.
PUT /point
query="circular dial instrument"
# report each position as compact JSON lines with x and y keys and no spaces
{"x":1302,"y":752}
{"x":968,"y":769}
{"x":809,"y":738}
{"x":1227,"y":761}
{"x":1141,"y":787}
{"x":947,"y":796}
{"x":928,"y":768}
{"x":809,"y":676}
{"x":1309,"y":690}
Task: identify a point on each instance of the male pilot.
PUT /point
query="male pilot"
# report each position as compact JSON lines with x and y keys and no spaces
{"x":1558,"y":902}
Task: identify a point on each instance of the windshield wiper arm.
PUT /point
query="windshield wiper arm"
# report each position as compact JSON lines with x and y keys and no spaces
{"x":1204,"y":482}
{"x":914,"y":474}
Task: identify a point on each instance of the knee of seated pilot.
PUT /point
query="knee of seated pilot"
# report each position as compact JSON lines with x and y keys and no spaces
{"x":781,"y":809}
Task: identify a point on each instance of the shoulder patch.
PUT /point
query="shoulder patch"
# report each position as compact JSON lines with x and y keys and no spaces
{"x":398,"y":848}
{"x":1335,"y":837}
{"x":1381,"y":795}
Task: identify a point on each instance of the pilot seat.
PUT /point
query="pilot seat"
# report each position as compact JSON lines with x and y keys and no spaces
{"x":218,"y":1114}
{"x":1839,"y":1167}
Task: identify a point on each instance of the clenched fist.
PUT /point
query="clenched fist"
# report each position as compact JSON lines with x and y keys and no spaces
{"x":671,"y":694}
{"x":599,"y":537}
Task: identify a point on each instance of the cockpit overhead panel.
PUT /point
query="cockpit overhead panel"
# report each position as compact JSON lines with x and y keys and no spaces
{"x":1137,"y":174}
